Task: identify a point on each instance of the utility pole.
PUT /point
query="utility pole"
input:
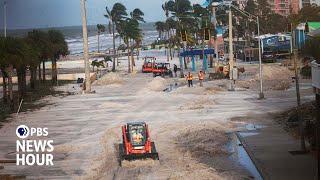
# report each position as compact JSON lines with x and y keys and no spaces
{"x":85,"y":46}
{"x":231,"y":62}
{"x":300,"y":119}
{"x":5,"y":18}
{"x":215,"y":26}
{"x":261,"y":95}
{"x":302,"y":139}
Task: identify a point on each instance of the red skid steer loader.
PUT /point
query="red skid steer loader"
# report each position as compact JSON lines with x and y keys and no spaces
{"x":136,"y":143}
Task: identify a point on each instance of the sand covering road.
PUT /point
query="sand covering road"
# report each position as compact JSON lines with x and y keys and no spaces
{"x":110,"y":78}
{"x":157,"y":84}
{"x":275,"y":77}
{"x":86,"y":129}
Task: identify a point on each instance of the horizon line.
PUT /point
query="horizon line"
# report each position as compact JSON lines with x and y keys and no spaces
{"x":49,"y":27}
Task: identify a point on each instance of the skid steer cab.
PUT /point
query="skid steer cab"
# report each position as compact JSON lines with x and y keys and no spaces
{"x":136,"y":143}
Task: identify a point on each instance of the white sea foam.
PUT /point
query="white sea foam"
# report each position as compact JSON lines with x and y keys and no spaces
{"x":76,"y":44}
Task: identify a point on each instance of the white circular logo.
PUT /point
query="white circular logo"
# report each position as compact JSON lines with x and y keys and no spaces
{"x":22,"y":131}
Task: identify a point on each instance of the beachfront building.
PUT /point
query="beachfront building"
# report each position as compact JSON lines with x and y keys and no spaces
{"x":295,"y":6}
{"x":281,"y":7}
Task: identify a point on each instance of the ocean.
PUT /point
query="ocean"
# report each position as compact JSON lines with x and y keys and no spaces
{"x":73,"y":35}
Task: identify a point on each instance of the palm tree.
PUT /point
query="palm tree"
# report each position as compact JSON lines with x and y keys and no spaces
{"x":130,"y":32}
{"x":11,"y":56}
{"x":170,"y":24}
{"x":25,"y":55}
{"x":166,"y":8}
{"x":181,"y":10}
{"x":36,"y":60}
{"x":137,"y":15}
{"x":97,"y":64}
{"x":58,"y":47}
{"x":41,"y":41}
{"x":160,"y":27}
{"x":38,"y":40}
{"x":115,"y":17}
{"x":101,"y":28}
{"x":3,"y":65}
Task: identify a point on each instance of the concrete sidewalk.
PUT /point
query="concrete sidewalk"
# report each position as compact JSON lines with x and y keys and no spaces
{"x":269,"y":149}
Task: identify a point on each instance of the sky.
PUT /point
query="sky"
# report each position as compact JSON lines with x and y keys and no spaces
{"x":23,"y":14}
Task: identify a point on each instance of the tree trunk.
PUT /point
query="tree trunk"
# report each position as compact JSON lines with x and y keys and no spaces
{"x":43,"y":70}
{"x":138,"y":53}
{"x":98,"y":42}
{"x":54,"y":71}
{"x":32,"y":77}
{"x":20,"y":82}
{"x":4,"y":85}
{"x":131,"y":55}
{"x":129,"y":64}
{"x":181,"y":65}
{"x":24,"y":80}
{"x":39,"y":75}
{"x":118,"y":56}
{"x":132,"y":59}
{"x":114,"y":49}
{"x":9,"y":71}
{"x":168,"y":48}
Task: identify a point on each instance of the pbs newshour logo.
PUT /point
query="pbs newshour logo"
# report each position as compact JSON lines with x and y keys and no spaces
{"x":22,"y":131}
{"x":31,"y":151}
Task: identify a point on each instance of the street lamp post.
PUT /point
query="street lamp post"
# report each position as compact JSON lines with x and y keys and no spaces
{"x":250,"y":16}
{"x":231,"y":62}
{"x":85,"y":46}
{"x":261,"y":95}
{"x":214,"y":5}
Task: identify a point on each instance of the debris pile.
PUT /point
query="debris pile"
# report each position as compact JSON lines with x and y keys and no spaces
{"x":157,"y":84}
{"x":204,"y":142}
{"x":110,"y":78}
{"x":275,"y":77}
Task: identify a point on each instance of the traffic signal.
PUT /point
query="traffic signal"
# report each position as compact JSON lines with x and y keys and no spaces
{"x":206,"y":34}
{"x":306,"y":28}
{"x":184,"y":35}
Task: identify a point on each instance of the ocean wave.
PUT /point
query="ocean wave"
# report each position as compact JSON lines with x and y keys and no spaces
{"x":75,"y":45}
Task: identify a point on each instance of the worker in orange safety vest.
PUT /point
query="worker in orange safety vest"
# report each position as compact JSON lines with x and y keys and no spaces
{"x":189,"y":79}
{"x":201,"y":76}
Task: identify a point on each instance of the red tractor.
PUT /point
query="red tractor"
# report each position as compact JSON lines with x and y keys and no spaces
{"x":148,"y":65}
{"x":136,"y":142}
